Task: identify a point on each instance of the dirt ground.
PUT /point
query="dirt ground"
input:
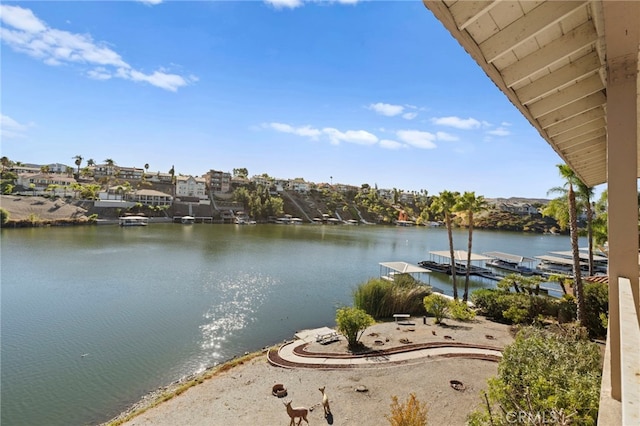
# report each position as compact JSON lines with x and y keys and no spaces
{"x":21,"y":208}
{"x":358,"y":396}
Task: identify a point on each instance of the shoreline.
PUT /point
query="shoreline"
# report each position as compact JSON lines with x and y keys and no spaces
{"x":177,"y":387}
{"x":220,"y":392}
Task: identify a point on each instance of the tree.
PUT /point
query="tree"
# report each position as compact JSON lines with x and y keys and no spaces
{"x":437,"y":305}
{"x":241,"y":172}
{"x":443,"y":204}
{"x":469,"y":204}
{"x":571,"y":182}
{"x":91,"y":162}
{"x":78,"y":162}
{"x":585,"y":194}
{"x":352,"y":322}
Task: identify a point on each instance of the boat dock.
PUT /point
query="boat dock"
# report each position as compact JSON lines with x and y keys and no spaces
{"x":440,"y":261}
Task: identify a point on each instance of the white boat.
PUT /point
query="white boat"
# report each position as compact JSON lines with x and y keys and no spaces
{"x":133,"y":220}
{"x":187,"y":220}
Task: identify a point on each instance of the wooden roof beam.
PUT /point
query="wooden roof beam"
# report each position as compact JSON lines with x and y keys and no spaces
{"x":575,"y":121}
{"x":580,"y":37}
{"x":597,"y":126}
{"x":580,"y":106}
{"x":576,"y":70}
{"x":466,"y":12}
{"x":527,"y":27}
{"x":566,"y":96}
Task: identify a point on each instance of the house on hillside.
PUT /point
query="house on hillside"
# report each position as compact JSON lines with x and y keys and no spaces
{"x":191,"y":187}
{"x":45,"y":184}
{"x":518,"y":208}
{"x":218,"y":181}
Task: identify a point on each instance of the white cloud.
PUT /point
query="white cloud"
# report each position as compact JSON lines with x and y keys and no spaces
{"x":417,"y":138}
{"x":409,"y":115}
{"x":99,"y":73}
{"x":390,"y":144}
{"x":500,"y":131}
{"x":307,"y":131}
{"x":360,"y":137}
{"x":284,"y":4}
{"x":11,"y":129}
{"x":30,"y":35}
{"x":21,"y":19}
{"x":386,"y":109}
{"x":292,"y":4}
{"x":457,"y":122}
{"x":150,"y":2}
{"x":444,"y":136}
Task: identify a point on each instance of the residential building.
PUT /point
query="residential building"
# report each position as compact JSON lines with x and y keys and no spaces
{"x":191,"y":187}
{"x":218,"y":181}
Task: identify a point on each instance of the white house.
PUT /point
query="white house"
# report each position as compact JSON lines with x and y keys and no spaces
{"x":189,"y":186}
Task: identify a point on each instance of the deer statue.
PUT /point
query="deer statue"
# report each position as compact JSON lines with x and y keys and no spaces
{"x":325,"y":402}
{"x":299,"y":412}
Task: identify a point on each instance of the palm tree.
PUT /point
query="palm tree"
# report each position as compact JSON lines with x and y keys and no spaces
{"x":443,"y":203}
{"x":585,"y":194}
{"x":91,"y":162}
{"x":470,"y":204}
{"x":78,"y":162}
{"x":110,"y":164}
{"x":571,"y":181}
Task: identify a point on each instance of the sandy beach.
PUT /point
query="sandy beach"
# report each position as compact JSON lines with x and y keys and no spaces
{"x":360,"y":395}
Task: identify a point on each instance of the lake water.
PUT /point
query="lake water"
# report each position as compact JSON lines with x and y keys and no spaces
{"x":95,"y":317}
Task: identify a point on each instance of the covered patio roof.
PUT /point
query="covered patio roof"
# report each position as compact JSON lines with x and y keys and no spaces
{"x":553,"y":59}
{"x":571,"y":68}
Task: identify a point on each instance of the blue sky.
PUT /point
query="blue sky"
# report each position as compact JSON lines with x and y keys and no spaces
{"x":344,"y":91}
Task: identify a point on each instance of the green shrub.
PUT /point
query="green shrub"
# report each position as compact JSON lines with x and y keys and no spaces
{"x":514,"y":308}
{"x":460,"y":311}
{"x":351,"y":323}
{"x":596,"y":301}
{"x":437,"y":305}
{"x":544,"y":378}
{"x":4,"y":216}
{"x":491,"y":302}
{"x":567,"y":309}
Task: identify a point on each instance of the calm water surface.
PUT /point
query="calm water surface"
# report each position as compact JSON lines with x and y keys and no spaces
{"x":93,"y":318}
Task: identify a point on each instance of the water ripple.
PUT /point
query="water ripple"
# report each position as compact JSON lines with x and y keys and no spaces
{"x":238,"y":298}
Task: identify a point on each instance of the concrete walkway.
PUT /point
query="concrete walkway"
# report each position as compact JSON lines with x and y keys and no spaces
{"x":292,"y":355}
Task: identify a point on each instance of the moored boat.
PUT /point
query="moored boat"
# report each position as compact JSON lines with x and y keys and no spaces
{"x":133,"y":221}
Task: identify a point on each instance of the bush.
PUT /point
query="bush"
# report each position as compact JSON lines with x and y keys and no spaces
{"x":351,"y":323}
{"x":437,"y":305}
{"x":411,"y":413}
{"x":381,"y":298}
{"x":460,"y":311}
{"x":4,"y":216}
{"x":596,"y":301}
{"x":491,"y":302}
{"x":514,"y":308}
{"x":544,"y":378}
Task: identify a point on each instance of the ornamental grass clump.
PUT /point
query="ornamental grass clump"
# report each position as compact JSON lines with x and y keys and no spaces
{"x":382,"y":298}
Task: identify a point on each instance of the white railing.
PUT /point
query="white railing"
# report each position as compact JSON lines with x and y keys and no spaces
{"x":629,"y":354}
{"x":627,"y":410}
